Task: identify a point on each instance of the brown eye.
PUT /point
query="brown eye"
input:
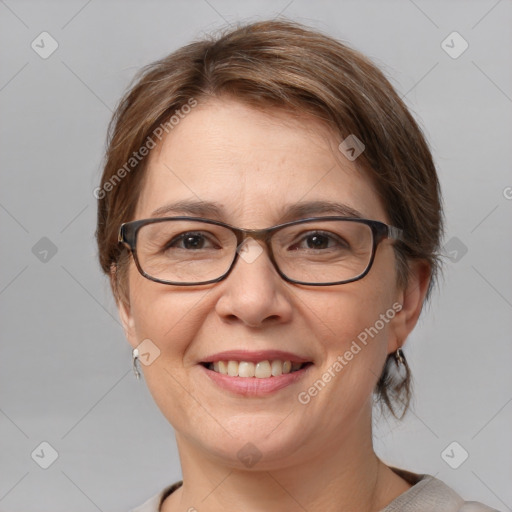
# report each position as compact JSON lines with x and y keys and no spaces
{"x":321,"y":240}
{"x":190,"y":240}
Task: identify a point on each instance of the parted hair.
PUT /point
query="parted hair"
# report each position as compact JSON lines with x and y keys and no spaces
{"x":282,"y":64}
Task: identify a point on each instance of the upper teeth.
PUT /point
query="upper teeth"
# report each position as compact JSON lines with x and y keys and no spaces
{"x":261,"y":370}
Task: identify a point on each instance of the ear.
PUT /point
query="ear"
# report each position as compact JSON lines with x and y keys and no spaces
{"x":123,"y":307}
{"x":411,"y":298}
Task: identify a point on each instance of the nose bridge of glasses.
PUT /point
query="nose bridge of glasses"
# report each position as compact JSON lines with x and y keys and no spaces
{"x":262,"y":235}
{"x":249,"y":252}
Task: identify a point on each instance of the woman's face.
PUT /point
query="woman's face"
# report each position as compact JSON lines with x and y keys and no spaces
{"x":255,"y":165}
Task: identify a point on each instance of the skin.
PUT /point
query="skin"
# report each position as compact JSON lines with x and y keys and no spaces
{"x":317,"y":456}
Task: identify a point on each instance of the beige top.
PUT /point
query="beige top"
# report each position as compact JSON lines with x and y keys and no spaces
{"x":427,"y":494}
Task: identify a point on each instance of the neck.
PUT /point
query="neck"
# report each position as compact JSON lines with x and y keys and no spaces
{"x":339,"y":475}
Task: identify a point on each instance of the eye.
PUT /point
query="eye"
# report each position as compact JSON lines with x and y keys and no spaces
{"x":318,"y":240}
{"x":189,"y":240}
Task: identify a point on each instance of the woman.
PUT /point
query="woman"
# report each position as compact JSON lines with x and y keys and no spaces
{"x":270,"y":219}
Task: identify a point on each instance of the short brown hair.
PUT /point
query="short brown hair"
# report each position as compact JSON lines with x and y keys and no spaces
{"x":285,"y":65}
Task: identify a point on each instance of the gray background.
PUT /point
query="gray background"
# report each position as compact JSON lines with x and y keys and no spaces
{"x":65,"y":367}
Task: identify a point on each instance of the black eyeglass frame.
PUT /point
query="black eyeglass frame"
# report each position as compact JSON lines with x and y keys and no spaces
{"x":380,"y":231}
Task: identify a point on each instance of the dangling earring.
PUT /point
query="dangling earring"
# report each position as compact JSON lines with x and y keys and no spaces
{"x":400,"y":357}
{"x":401,"y":365}
{"x":135,"y":359}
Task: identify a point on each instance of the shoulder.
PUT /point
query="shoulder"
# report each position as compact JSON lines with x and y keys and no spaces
{"x":429,"y":494}
{"x":154,"y":503}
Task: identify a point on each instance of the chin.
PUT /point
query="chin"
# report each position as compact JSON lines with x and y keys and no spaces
{"x":263,"y":443}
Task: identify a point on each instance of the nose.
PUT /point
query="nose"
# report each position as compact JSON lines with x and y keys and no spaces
{"x":254,"y":293}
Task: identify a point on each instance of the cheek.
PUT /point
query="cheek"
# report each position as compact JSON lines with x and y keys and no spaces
{"x":356,"y":324}
{"x":359,"y":332}
{"x":344,"y":384}
{"x":170,"y":319}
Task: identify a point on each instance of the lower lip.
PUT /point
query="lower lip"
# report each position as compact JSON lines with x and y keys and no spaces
{"x":253,"y":386}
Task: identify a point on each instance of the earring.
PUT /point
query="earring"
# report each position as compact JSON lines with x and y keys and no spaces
{"x":135,"y":359}
{"x":400,"y":357}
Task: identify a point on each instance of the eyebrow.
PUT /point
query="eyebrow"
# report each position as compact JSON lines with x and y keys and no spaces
{"x":288,"y":213}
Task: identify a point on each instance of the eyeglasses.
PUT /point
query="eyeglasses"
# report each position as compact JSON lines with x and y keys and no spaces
{"x":320,"y":251}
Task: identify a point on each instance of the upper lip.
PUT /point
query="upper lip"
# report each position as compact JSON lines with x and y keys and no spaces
{"x":255,"y":356}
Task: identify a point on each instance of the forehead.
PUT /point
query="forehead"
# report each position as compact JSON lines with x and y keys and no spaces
{"x":251,"y":164}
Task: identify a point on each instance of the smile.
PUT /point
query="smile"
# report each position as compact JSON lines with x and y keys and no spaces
{"x":259,"y":370}
{"x":254,"y":379}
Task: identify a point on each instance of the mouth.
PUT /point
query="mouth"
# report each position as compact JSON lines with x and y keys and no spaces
{"x":263,"y":369}
{"x":255,"y":373}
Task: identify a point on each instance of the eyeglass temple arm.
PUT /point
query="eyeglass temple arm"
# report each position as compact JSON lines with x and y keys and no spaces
{"x":395,"y":233}
{"x":125,"y":235}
